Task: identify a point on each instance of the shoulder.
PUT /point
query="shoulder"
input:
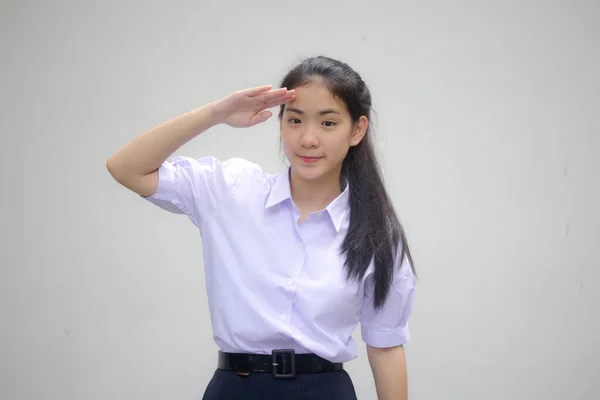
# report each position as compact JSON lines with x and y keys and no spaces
{"x":238,"y":170}
{"x":211,"y":163}
{"x":239,"y":177}
{"x":230,"y":170}
{"x":244,"y":173}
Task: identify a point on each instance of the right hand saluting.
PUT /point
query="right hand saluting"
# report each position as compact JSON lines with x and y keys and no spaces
{"x":246,"y":108}
{"x":136,"y":165}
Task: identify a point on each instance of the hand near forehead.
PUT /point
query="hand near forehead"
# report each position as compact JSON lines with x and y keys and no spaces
{"x":246,"y":108}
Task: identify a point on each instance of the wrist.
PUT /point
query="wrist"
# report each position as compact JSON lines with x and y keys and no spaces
{"x":217,"y":115}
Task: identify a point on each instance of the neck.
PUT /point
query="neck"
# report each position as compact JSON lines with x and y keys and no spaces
{"x":314,"y":195}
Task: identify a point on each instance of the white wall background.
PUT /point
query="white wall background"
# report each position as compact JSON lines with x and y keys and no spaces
{"x":489,"y":131}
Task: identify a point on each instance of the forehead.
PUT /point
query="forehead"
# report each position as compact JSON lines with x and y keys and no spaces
{"x":314,"y":98}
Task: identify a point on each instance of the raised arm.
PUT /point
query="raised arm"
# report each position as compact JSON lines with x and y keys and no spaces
{"x":136,"y":165}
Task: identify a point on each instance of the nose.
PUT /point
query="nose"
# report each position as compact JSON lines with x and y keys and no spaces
{"x":309,"y":138}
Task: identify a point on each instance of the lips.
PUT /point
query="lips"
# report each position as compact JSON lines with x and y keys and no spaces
{"x":310,"y":159}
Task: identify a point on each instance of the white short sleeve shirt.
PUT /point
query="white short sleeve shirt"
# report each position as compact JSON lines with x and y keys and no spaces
{"x":273,"y":283}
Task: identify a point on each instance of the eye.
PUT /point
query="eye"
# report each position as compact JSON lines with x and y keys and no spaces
{"x":329,"y":124}
{"x":294,"y":120}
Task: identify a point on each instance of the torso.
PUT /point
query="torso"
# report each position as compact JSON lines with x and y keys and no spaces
{"x":275,"y":278}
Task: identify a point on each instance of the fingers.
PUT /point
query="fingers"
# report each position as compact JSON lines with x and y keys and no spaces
{"x":268,"y":95}
{"x":265,"y":92}
{"x":261,"y":117}
{"x":280,"y":100}
{"x":255,"y":91}
{"x":262,"y":98}
{"x":273,"y":99}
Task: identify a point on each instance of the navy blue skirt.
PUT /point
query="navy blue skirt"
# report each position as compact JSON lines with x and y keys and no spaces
{"x":228,"y":385}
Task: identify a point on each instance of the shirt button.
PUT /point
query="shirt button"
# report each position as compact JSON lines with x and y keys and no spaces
{"x":282,"y":317}
{"x":300,"y":244}
{"x":289,"y":281}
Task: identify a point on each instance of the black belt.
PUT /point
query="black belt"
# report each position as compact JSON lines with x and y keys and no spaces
{"x":281,"y":363}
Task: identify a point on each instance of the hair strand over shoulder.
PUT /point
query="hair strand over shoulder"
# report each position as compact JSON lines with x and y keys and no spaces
{"x":375,"y":233}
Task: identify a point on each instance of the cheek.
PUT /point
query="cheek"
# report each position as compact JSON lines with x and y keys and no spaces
{"x":338,"y":144}
{"x":286,"y":143}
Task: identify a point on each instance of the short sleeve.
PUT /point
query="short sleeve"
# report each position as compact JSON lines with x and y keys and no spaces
{"x":388,"y":325}
{"x":195,"y":187}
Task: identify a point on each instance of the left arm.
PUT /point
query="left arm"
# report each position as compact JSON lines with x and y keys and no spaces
{"x":389,"y":372}
{"x":385,"y":331}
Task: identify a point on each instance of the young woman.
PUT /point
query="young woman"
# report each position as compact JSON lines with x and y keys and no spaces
{"x":293,"y":261}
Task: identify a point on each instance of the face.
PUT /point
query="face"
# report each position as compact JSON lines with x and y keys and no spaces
{"x":317,"y":132}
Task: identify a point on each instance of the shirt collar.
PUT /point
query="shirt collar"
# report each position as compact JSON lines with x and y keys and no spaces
{"x":337,"y":209}
{"x":340,"y":207}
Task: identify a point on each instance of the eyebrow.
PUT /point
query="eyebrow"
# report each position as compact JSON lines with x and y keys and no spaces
{"x":322,"y":112}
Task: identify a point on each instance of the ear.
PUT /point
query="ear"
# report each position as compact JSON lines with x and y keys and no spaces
{"x":359,"y":130}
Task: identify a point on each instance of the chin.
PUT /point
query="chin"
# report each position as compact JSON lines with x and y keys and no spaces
{"x":309,"y":172}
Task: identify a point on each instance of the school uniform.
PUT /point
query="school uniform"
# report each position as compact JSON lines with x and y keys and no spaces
{"x":275,"y":284}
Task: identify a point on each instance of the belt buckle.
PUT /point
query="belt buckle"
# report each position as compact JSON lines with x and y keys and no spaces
{"x":287,"y":363}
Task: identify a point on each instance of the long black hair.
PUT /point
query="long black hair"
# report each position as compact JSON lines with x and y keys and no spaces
{"x":375,"y":232}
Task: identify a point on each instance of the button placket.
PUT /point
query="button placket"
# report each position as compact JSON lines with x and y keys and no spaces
{"x":290,"y":281}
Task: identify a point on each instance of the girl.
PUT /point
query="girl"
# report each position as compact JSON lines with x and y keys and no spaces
{"x":293,"y":261}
